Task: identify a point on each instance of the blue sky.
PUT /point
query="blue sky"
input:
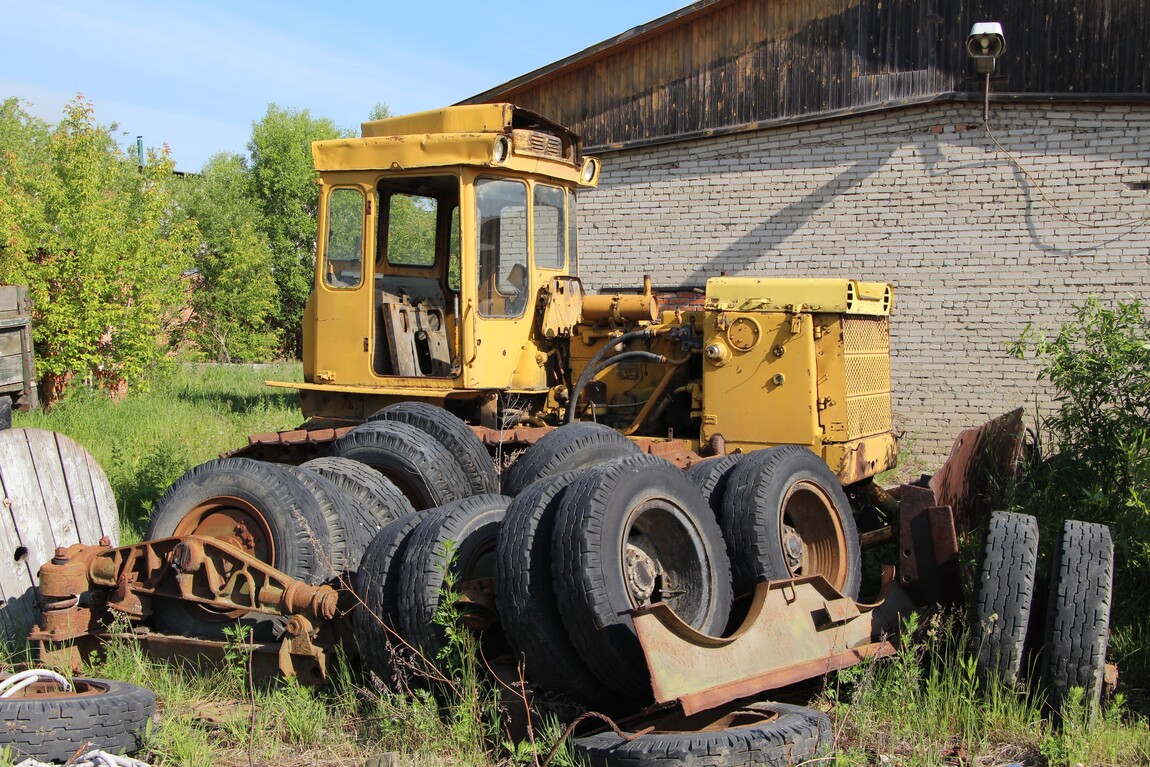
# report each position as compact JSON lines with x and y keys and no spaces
{"x":195,"y":75}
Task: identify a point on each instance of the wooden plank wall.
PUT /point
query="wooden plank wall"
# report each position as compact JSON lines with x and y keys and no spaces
{"x":748,"y":61}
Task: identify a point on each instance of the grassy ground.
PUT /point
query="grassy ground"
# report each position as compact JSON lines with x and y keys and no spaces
{"x":924,"y":707}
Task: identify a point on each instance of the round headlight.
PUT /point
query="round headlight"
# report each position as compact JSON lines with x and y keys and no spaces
{"x":590,"y":171}
{"x":501,"y":150}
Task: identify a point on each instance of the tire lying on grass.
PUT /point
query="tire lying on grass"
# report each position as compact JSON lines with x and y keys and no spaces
{"x":629,"y":533}
{"x":770,"y":734}
{"x":525,"y":598}
{"x":420,"y":466}
{"x":570,"y":447}
{"x":457,"y":539}
{"x":256,"y":507}
{"x":1005,"y":596}
{"x":464,"y":446}
{"x":1078,"y":615}
{"x":785,"y":515}
{"x":42,"y":723}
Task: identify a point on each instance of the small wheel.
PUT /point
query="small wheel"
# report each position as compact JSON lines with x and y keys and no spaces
{"x":1078,"y":616}
{"x":711,"y":476}
{"x":458,"y":538}
{"x":1005,"y":596}
{"x":785,"y":515}
{"x":43,"y":723}
{"x":570,"y":447}
{"x":255,"y":507}
{"x":419,"y":465}
{"x":380,"y":501}
{"x":525,"y":599}
{"x":375,"y":621}
{"x":769,"y":734}
{"x":630,"y":533}
{"x":454,"y":434}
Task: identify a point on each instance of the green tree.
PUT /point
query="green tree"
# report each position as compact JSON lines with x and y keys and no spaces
{"x":283,"y":184}
{"x":93,"y":236}
{"x":234,"y":296}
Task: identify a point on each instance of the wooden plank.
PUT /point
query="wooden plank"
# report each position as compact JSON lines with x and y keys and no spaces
{"x":11,"y":370}
{"x":11,"y":343}
{"x":53,"y":486}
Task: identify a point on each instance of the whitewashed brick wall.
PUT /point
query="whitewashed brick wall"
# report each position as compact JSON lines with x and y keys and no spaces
{"x":920,"y":197}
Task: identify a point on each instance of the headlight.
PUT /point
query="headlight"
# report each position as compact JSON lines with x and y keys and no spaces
{"x":501,"y":150}
{"x":590,"y":171}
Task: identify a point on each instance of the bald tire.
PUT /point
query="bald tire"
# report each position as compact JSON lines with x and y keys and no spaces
{"x":459,"y":538}
{"x":416,"y":462}
{"x":1078,"y":615}
{"x":599,"y":517}
{"x":1006,"y":578}
{"x":711,"y":476}
{"x":452,"y":433}
{"x":570,"y":447}
{"x":525,"y":598}
{"x":796,"y":735}
{"x":378,"y":500}
{"x":375,"y":618}
{"x":753,"y":511}
{"x":296,"y":523}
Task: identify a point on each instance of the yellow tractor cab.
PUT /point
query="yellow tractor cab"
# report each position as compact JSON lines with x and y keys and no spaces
{"x":436,"y":232}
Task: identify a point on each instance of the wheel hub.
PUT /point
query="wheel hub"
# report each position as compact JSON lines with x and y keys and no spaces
{"x":792,"y":547}
{"x":642,"y":574}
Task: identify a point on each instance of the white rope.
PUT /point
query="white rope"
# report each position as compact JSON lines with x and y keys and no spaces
{"x":18,"y":682}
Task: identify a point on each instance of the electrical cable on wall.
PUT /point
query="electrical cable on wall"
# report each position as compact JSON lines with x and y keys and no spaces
{"x":985,"y":44}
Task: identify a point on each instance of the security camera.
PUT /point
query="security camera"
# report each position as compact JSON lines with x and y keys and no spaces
{"x":985,"y":44}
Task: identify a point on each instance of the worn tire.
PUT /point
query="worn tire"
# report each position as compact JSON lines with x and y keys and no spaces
{"x":419,"y":465}
{"x":789,"y":492}
{"x":5,"y":412}
{"x":375,"y":621}
{"x":1078,"y":614}
{"x":379,"y":500}
{"x":471,"y":526}
{"x":570,"y":447}
{"x":347,"y":541}
{"x":738,"y":739}
{"x":113,"y":718}
{"x":619,"y":524}
{"x":454,"y":434}
{"x":1005,"y":595}
{"x":525,"y":598}
{"x":284,"y":520}
{"x":711,"y":476}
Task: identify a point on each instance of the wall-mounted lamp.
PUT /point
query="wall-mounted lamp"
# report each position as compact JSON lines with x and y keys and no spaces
{"x":985,"y":44}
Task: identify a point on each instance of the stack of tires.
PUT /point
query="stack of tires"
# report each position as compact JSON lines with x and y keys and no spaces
{"x":1012,"y":639}
{"x":584,"y":529}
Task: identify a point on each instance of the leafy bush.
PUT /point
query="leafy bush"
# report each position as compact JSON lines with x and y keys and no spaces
{"x":1093,"y":461}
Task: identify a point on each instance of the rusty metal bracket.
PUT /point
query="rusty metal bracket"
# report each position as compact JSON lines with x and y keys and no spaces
{"x":794,"y":630}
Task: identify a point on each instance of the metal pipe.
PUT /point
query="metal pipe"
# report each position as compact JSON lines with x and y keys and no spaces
{"x":672,"y":368}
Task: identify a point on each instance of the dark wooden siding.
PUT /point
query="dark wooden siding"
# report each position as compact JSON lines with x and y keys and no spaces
{"x":730,"y":63}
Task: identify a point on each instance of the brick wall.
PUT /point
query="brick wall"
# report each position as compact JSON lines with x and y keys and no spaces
{"x":920,"y":197}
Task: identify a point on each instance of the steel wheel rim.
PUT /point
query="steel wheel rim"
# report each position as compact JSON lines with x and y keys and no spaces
{"x":661,"y":536}
{"x":237,"y":523}
{"x":812,"y":535}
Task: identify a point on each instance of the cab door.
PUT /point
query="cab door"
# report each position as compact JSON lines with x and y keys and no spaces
{"x":340,"y":306}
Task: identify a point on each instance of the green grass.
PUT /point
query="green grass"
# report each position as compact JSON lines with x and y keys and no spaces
{"x":190,"y":415}
{"x":923,"y":707}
